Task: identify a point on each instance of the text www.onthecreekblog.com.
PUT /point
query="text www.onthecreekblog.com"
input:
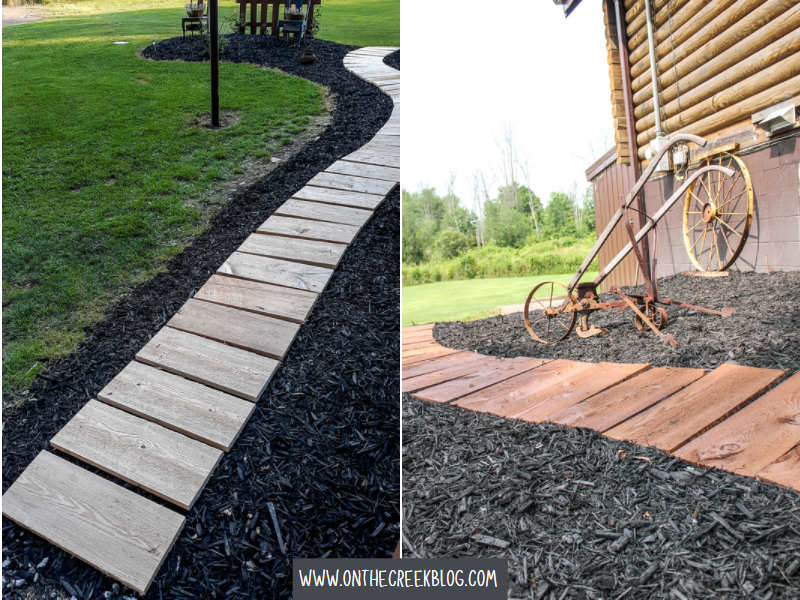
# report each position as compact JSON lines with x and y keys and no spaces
{"x":399,"y":578}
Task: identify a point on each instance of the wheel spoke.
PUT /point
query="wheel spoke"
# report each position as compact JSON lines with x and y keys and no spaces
{"x":551,"y":294}
{"x":725,"y":235}
{"x":703,"y":245}
{"x":540,"y":303}
{"x":547,"y":335}
{"x":698,"y":236}
{"x":560,"y":323}
{"x":700,"y":222}
{"x":697,"y":199}
{"x":711,"y":255}
{"x":732,"y":186}
{"x":728,"y":226}
{"x":736,"y":197}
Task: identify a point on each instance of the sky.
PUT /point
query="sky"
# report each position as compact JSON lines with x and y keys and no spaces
{"x":469,"y":67}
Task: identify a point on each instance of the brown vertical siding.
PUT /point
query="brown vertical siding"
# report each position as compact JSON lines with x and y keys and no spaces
{"x":609,"y":185}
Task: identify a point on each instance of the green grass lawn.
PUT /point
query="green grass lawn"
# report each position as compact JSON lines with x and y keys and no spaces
{"x":470,"y":299}
{"x":104,"y":175}
{"x":356,"y":22}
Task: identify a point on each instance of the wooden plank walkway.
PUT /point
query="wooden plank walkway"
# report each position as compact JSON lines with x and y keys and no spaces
{"x":718,"y":419}
{"x":164,"y":421}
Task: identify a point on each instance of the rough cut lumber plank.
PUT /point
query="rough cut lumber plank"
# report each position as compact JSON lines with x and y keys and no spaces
{"x":159,"y":460}
{"x":613,"y":406}
{"x":384,"y":141}
{"x":444,"y":362}
{"x":185,"y":406}
{"x":256,"y":333}
{"x":232,"y":370}
{"x":423,"y":327}
{"x":576,"y":389}
{"x":685,"y":415}
{"x":285,"y":303}
{"x":431,"y":355}
{"x":339,"y":197}
{"x":352,"y":184}
{"x":113,"y":529}
{"x":308,"y":252}
{"x":784,"y":471}
{"x":756,"y":436}
{"x":369,"y":157}
{"x":309,"y":230}
{"x":315,"y":211}
{"x":279,"y":272}
{"x":479,"y":379}
{"x":420,"y":351}
{"x":420,"y":382}
{"x":413,"y":338}
{"x":416,"y":345}
{"x":361,"y":170}
{"x":511,"y":395}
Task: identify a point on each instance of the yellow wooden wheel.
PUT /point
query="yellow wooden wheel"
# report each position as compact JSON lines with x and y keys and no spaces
{"x":550,"y":325}
{"x":717,"y":215}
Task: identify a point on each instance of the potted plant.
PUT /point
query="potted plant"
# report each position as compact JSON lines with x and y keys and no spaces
{"x":294,"y":13}
{"x":195,"y":10}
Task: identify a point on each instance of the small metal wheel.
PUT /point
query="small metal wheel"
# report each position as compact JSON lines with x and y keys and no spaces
{"x":717,"y":215}
{"x":550,"y":326}
{"x":656,"y":314}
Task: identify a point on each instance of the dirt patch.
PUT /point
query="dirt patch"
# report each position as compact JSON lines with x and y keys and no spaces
{"x":19,"y":15}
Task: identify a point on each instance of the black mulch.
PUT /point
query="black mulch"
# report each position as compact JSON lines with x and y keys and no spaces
{"x":579,"y":516}
{"x":393,"y":59}
{"x":322,"y":446}
{"x":764,"y":331}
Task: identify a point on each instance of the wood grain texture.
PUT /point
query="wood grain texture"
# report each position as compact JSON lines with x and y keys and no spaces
{"x":784,"y":471}
{"x":202,"y":413}
{"x":370,"y":157}
{"x":576,"y":389}
{"x":232,"y":370}
{"x":457,"y":371}
{"x":443,"y":362}
{"x":159,"y":460}
{"x":685,"y":415}
{"x":309,"y":230}
{"x":276,"y":301}
{"x":256,"y":333}
{"x":279,"y":272}
{"x":417,"y":345}
{"x":308,"y":252}
{"x":411,"y":360}
{"x":753,"y":438}
{"x":315,"y":211}
{"x":352,"y":184}
{"x":479,"y":379}
{"x":339,"y":197}
{"x":511,"y":396}
{"x":113,"y":529}
{"x":611,"y":407}
{"x":411,"y":353}
{"x":363,"y":170}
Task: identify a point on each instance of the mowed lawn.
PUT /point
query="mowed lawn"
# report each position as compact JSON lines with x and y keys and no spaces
{"x":472,"y":298}
{"x":104,"y":175}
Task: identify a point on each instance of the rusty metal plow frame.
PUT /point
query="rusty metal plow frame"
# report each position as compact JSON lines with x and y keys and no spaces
{"x":587,"y":299}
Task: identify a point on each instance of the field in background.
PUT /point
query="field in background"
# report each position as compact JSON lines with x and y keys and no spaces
{"x":471,"y":299}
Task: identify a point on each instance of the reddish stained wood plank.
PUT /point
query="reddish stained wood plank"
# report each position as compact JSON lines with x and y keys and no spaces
{"x":577,"y":388}
{"x":784,"y":471}
{"x":413,"y":338}
{"x":611,"y":407}
{"x":414,"y":384}
{"x":425,"y":357}
{"x":685,"y":415}
{"x":418,"y":345}
{"x":511,"y":395}
{"x":478,"y":379}
{"x":753,"y":438}
{"x":462,"y":358}
{"x":421,"y":351}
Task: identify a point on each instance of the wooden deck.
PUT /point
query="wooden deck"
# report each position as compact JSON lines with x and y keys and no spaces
{"x":721,"y":419}
{"x":165,"y":420}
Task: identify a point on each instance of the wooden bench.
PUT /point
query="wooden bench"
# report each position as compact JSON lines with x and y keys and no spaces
{"x":262,"y":20}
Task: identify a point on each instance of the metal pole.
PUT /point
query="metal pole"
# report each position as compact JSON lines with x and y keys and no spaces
{"x":630,"y":119}
{"x":653,"y":69}
{"x":213,"y":26}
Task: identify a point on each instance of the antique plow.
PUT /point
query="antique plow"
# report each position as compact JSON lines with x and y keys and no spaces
{"x":577,"y":301}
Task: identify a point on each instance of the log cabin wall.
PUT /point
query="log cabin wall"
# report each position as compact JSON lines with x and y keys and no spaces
{"x":719,"y":62}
